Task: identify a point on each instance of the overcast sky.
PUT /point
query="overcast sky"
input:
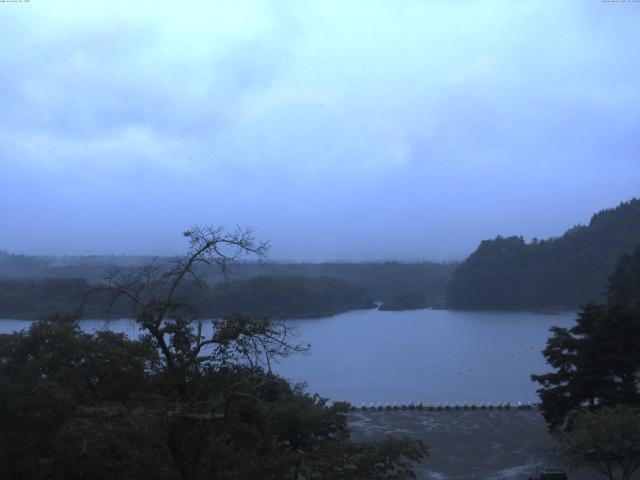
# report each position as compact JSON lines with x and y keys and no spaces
{"x":337,"y":129}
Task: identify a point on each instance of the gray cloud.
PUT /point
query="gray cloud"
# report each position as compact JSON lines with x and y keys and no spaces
{"x":337,"y":129}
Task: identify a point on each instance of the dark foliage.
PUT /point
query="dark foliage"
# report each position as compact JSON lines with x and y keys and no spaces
{"x":597,"y":361}
{"x":381,"y":280}
{"x":606,"y":440}
{"x":287,"y":297}
{"x":408,"y":300}
{"x":508,"y":273}
{"x":29,"y":300}
{"x":75,"y":405}
{"x":277,"y":297}
{"x":192,"y":399}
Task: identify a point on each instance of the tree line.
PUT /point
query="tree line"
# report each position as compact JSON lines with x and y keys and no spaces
{"x":264,"y":296}
{"x":381,"y":280}
{"x":564,"y":272}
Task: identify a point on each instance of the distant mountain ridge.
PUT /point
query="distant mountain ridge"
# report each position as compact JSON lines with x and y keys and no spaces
{"x":382,"y":280}
{"x":563,"y":272}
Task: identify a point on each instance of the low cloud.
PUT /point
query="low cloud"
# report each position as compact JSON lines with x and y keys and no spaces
{"x":337,"y":129}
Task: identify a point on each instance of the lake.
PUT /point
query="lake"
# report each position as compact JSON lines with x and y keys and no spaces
{"x":419,"y":355}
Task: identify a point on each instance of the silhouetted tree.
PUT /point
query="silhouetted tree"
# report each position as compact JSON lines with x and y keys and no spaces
{"x":597,"y":361}
{"x":173,"y":324}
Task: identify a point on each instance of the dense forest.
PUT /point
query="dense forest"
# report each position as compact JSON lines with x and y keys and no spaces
{"x":33,"y":286}
{"x":407,"y":300}
{"x":263,"y":296}
{"x":76,"y":406}
{"x":287,"y":297}
{"x":563,"y":272}
{"x":382,"y":280}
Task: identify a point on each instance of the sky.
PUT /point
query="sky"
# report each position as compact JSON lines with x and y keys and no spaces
{"x":338,"y":130}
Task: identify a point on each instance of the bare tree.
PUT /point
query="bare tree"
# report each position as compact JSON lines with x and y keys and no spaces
{"x":172,"y":323}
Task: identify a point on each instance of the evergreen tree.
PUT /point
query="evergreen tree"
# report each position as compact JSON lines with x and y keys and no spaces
{"x":597,"y":361}
{"x":562,"y":272}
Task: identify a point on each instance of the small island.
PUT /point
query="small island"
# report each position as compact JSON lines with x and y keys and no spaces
{"x":408,"y":300}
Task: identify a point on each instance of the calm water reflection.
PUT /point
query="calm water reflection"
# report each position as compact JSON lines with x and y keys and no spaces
{"x":426,"y":355}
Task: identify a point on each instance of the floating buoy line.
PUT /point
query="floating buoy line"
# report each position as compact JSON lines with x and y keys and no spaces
{"x":496,"y":361}
{"x":446,"y":406}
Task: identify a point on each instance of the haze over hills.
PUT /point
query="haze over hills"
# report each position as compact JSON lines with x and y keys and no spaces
{"x":32,"y":287}
{"x":382,"y":279}
{"x":562,"y":272}
{"x":504,"y":273}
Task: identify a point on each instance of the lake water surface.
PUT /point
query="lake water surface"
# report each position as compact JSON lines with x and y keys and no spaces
{"x":420,"y":355}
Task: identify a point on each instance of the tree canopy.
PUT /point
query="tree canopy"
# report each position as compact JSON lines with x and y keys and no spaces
{"x":509,"y":273}
{"x":607,"y":440}
{"x":27,"y":282}
{"x":597,"y":361}
{"x":277,"y":297}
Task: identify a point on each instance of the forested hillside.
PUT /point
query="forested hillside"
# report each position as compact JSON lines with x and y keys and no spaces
{"x":509,"y":273}
{"x":381,"y":280}
{"x":287,"y":297}
{"x":264,"y":296}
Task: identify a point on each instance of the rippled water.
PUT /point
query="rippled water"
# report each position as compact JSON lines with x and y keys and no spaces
{"x":421,"y":355}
